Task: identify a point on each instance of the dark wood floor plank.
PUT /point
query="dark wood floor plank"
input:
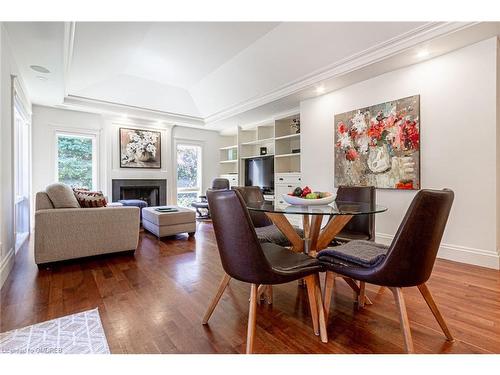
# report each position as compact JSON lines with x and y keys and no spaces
{"x":153,"y":302}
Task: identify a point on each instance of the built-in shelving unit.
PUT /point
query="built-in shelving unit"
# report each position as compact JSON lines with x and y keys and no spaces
{"x":279,"y":138}
{"x":229,"y":157}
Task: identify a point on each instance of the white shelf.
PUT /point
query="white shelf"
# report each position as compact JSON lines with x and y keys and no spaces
{"x":286,"y":155}
{"x":228,"y":147}
{"x":258,"y":141}
{"x":288,"y":136}
{"x":256,"y":156}
{"x":229,"y":161}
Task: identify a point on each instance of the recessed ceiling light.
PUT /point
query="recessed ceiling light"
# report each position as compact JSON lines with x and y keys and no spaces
{"x":423,"y":53}
{"x":41,"y":78}
{"x":39,"y":69}
{"x":320,"y":89}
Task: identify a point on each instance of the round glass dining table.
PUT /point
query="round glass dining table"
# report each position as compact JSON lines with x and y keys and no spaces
{"x":315,"y":237}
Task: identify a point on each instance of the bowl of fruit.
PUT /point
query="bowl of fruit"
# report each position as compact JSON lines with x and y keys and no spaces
{"x":306,"y":197}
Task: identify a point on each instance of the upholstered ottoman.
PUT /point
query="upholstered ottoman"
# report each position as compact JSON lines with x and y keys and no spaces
{"x":163,"y":224}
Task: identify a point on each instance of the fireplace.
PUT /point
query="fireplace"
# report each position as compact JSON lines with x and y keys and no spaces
{"x":153,"y":192}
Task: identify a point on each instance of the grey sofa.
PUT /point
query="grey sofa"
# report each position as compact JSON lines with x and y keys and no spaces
{"x":68,"y":233}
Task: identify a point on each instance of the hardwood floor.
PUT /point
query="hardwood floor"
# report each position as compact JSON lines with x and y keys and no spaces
{"x":154,"y":302}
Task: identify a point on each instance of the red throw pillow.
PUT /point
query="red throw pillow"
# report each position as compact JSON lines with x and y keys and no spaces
{"x":89,"y":199}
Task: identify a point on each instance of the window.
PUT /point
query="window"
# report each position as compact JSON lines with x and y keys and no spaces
{"x":22,"y":168}
{"x":188,"y":174}
{"x":77,"y":160}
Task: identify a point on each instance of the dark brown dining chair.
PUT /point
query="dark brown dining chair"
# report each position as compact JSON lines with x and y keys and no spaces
{"x":264,"y":227}
{"x":407,"y":262}
{"x":360,"y":227}
{"x":244,"y":258}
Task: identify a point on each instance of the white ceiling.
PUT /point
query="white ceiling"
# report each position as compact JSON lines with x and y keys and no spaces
{"x":206,"y":72}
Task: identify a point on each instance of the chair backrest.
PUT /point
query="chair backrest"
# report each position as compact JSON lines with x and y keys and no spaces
{"x":239,"y":248}
{"x":220,"y":184}
{"x":413,"y":251}
{"x":364,"y":224}
{"x":253,"y":194}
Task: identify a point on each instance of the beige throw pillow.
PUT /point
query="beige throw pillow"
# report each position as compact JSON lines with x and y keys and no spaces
{"x":62,"y":196}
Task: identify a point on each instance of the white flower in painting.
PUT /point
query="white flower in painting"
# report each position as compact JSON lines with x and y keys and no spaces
{"x":134,"y":137}
{"x":345,"y":141}
{"x":151,"y":148}
{"x":363,"y":142}
{"x":359,"y":123}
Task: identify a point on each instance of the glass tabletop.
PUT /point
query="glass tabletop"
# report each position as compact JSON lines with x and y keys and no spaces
{"x":335,"y":208}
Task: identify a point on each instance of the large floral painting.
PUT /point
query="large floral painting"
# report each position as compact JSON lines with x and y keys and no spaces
{"x":379,"y":145}
{"x":140,"y":148}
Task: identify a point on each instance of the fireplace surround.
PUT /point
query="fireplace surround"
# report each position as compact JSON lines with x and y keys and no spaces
{"x":152,"y":191}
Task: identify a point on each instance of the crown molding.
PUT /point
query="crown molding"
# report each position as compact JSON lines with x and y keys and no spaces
{"x":356,"y":61}
{"x":117,"y":109}
{"x":375,"y":54}
{"x":68,"y":44}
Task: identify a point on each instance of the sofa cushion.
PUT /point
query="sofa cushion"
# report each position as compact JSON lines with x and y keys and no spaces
{"x":61,"y":196}
{"x":89,"y":199}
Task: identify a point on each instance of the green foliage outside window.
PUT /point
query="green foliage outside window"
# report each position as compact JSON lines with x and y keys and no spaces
{"x":75,"y":161}
{"x":187,"y":166}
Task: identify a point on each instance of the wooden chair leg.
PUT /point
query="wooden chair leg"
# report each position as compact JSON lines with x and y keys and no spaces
{"x":269,"y":295}
{"x":362,"y":294}
{"x":252,"y":314}
{"x":321,"y":311}
{"x":222,"y":286}
{"x":327,"y":296}
{"x":435,"y":311}
{"x":403,"y":318}
{"x":311,"y":295}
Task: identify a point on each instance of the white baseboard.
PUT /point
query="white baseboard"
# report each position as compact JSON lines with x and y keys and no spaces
{"x":457,"y":253}
{"x":6,"y":266}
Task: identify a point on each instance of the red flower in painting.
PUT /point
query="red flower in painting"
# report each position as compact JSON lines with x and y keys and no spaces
{"x":351,"y":154}
{"x":408,"y":185}
{"x":410,"y":135}
{"x":341,"y":127}
{"x":375,"y":130}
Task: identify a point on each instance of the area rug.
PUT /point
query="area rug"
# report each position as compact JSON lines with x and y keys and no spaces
{"x":80,"y":333}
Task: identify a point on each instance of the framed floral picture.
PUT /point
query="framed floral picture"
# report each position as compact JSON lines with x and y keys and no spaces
{"x":379,"y":145}
{"x":140,"y":148}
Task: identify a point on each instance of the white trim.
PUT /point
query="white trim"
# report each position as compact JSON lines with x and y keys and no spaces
{"x":110,"y":108}
{"x":69,"y":40}
{"x":458,"y":253}
{"x":6,"y":266}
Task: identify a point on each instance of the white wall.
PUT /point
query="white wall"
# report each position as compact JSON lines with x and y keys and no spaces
{"x":458,"y":110}
{"x":46,"y":121}
{"x":7,"y":68}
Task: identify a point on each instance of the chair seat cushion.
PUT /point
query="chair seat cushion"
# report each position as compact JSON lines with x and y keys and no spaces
{"x":361,"y":253}
{"x":347,"y":235}
{"x":284,"y":260}
{"x":272,"y":234}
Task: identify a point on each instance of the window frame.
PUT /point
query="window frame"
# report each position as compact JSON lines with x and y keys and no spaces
{"x":78,"y":133}
{"x":185,"y":142}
